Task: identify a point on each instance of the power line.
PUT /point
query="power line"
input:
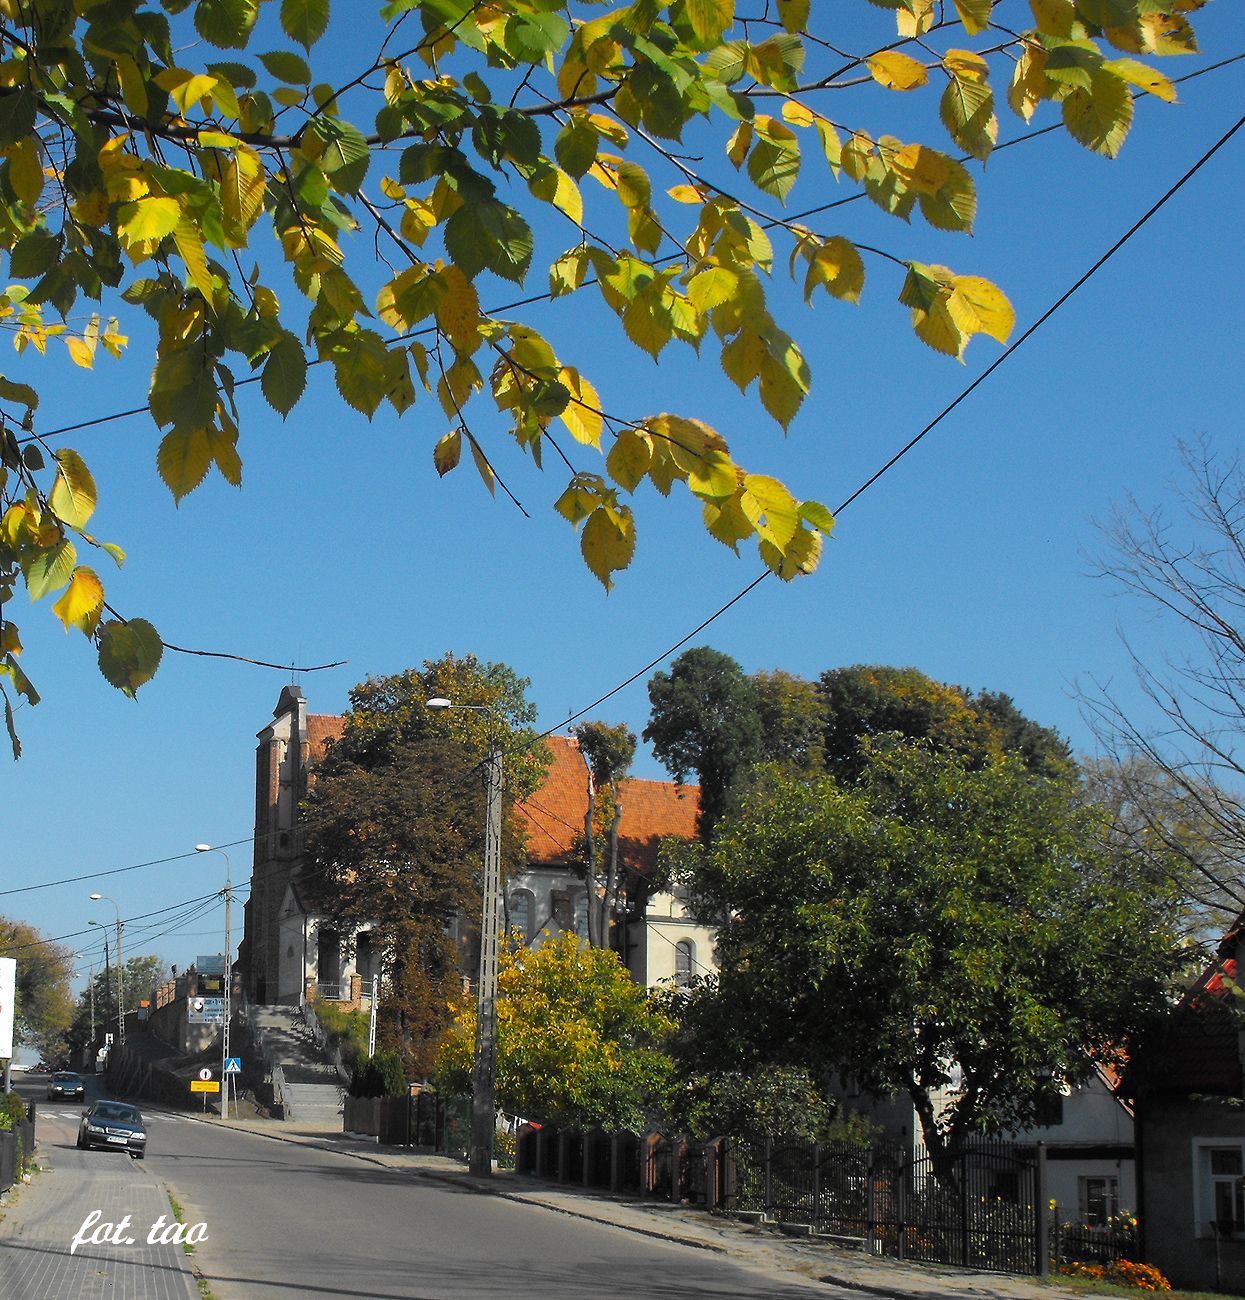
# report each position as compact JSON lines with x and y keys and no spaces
{"x":116,"y":871}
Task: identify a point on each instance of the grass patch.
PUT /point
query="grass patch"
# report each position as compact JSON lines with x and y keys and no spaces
{"x":180,"y":1215}
{"x":345,"y":1030}
{"x":1085,"y":1286}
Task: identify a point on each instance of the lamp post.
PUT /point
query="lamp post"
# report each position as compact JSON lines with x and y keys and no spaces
{"x":484,"y":1077}
{"x":224,"y":1033}
{"x":96,"y":898}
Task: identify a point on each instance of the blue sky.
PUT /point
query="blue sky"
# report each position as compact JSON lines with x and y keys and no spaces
{"x":967,"y":560}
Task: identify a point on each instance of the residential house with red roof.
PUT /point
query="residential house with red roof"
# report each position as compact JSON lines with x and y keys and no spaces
{"x":1189,"y":1083}
{"x":288,"y":954}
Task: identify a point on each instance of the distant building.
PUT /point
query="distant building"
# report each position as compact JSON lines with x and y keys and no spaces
{"x":288,"y":953}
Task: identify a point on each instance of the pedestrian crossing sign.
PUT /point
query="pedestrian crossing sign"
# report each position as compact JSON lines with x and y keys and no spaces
{"x":233,"y":1065}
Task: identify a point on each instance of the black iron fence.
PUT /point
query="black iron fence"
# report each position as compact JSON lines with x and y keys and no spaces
{"x":17,"y":1149}
{"x":1079,"y":1243}
{"x":428,"y":1120}
{"x":982,"y":1206}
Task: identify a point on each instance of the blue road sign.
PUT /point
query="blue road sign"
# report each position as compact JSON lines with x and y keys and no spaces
{"x":233,"y":1065}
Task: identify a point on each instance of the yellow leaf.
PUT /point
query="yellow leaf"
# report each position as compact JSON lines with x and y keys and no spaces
{"x":1144,"y":78}
{"x":82,"y":353}
{"x":608,"y":541}
{"x":83,"y":601}
{"x":685,"y":194}
{"x":838,"y":265}
{"x":446,"y":453}
{"x":629,"y":459}
{"x":189,"y":240}
{"x":915,"y":19}
{"x":74,"y":496}
{"x":25,"y":171}
{"x":979,"y":307}
{"x":582,"y":414}
{"x":148,"y":220}
{"x":798,"y":114}
{"x":771,"y":509}
{"x":187,"y":89}
{"x":458,"y":311}
{"x":896,"y":71}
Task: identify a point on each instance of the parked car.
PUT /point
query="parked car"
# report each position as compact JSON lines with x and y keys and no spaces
{"x":66,"y":1084}
{"x":114,"y":1124}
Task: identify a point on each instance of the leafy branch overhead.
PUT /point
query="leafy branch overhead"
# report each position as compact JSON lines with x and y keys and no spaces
{"x":187,"y":161}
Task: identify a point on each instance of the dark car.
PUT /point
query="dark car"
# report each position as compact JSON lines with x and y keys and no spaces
{"x":66,"y":1084}
{"x":114,"y":1124}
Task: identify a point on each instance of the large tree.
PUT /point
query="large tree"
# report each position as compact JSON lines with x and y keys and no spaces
{"x":44,"y":1000}
{"x":1178,"y":753}
{"x":936,"y":925}
{"x":870,"y":700}
{"x":164,"y":179}
{"x":395,"y":830}
{"x":579,"y":1043}
{"x":141,"y":975}
{"x":705,"y":720}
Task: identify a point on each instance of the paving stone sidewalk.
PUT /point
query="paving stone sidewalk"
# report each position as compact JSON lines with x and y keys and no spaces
{"x":763,"y":1246}
{"x":41,"y":1219}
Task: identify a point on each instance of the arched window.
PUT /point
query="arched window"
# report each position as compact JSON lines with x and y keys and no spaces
{"x":684,"y":962}
{"x":521,"y":913}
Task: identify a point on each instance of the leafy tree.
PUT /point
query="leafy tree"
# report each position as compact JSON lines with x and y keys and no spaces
{"x":579,"y":1043}
{"x":938,"y":925}
{"x":395,"y":826}
{"x":792,"y":720}
{"x":870,"y":700}
{"x":705,"y":720}
{"x":44,"y":1000}
{"x":1177,"y":759}
{"x":217,"y":194}
{"x":608,"y":753}
{"x":141,"y":976}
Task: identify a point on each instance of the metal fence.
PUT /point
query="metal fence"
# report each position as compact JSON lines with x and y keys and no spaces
{"x":1080,"y":1243}
{"x":437,"y":1123}
{"x":982,"y":1206}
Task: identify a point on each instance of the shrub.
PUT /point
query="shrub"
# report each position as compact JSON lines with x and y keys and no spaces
{"x":381,"y":1075}
{"x":12,"y":1110}
{"x":1145,"y":1277}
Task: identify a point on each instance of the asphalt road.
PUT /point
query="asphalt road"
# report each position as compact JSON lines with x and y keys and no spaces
{"x":287,"y":1220}
{"x":296,"y":1221}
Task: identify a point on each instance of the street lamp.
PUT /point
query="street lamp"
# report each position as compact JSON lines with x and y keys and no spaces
{"x":97,"y":898}
{"x":224,"y":1036}
{"x":484,"y":1077}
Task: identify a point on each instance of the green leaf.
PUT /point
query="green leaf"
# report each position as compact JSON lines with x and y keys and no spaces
{"x":576,"y":147}
{"x":794,"y":15}
{"x":774,"y":162}
{"x":346,"y":155}
{"x":304,"y":21}
{"x":129,"y":654}
{"x":50,"y":570}
{"x":490,"y":236}
{"x":287,"y":66}
{"x":285,"y":374}
{"x":74,"y":496}
{"x":709,"y":19}
{"x":18,"y":113}
{"x":226,"y":23}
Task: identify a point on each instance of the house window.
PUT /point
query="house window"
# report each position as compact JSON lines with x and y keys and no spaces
{"x":1223,"y":1171}
{"x":1099,"y":1200}
{"x":684,"y":960}
{"x":521,"y":913}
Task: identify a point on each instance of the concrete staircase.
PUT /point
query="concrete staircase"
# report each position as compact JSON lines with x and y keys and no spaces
{"x":312,"y":1092}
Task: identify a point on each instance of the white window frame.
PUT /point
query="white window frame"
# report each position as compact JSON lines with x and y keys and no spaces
{"x":1204,"y":1182}
{"x":690,"y":946}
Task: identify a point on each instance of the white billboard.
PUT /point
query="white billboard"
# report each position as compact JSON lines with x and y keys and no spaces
{"x":8,"y":994}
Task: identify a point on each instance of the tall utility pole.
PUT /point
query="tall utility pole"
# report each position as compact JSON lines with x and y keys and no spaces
{"x":96,"y":898}
{"x":484,"y":1076}
{"x":484,"y":1079}
{"x":224,"y":1032}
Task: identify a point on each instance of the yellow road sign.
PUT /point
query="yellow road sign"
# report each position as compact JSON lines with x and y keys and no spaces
{"x":204,"y":1085}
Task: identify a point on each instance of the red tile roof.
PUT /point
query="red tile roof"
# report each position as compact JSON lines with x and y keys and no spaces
{"x":554,"y":816}
{"x":321,"y":728}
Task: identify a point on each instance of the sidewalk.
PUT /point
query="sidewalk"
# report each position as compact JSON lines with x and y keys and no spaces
{"x":762,"y":1246}
{"x":41,"y":1220}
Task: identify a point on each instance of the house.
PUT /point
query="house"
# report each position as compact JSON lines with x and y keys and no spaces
{"x":654,"y":932}
{"x":289,"y":954}
{"x":1088,"y":1133}
{"x":1188,"y":1079}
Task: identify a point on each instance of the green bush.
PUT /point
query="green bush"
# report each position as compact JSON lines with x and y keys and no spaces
{"x":345,"y":1030}
{"x":381,"y":1075}
{"x":12,"y":1110}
